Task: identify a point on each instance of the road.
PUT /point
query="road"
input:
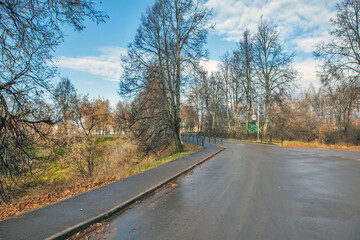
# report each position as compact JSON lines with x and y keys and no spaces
{"x":252,"y":191}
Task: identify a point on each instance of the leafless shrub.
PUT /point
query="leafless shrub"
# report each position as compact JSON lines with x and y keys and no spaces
{"x":84,"y":154}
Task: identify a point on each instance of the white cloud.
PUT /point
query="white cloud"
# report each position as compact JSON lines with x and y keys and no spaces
{"x":210,"y":65}
{"x":302,"y":25}
{"x":308,"y":44}
{"x":294,"y":18}
{"x":307,"y":70}
{"x":106,"y":65}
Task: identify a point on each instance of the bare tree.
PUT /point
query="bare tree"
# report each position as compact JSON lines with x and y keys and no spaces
{"x":215,"y":102}
{"x":149,"y":120}
{"x":204,"y":98}
{"x":29,"y":32}
{"x":230,"y":86}
{"x":119,"y":119}
{"x":195,"y":98}
{"x":273,"y":65}
{"x":65,"y":98}
{"x":341,"y":55}
{"x":188,"y":117}
{"x":343,"y":99}
{"x":102,"y":111}
{"x":340,"y":70}
{"x":243,"y":65}
{"x":293,"y":118}
{"x":91,"y":117}
{"x":168,"y":44}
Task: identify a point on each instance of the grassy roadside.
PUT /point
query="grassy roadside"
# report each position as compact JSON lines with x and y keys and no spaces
{"x":300,"y":144}
{"x":148,"y":165}
{"x":59,"y":180}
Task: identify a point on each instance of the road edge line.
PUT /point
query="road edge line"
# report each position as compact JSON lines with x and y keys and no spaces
{"x":85,"y":224}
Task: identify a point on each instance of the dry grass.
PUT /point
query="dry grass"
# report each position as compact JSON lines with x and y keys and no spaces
{"x":118,"y":159}
{"x":299,"y":144}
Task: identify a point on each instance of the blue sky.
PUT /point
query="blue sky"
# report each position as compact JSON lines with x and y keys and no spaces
{"x":91,"y":58}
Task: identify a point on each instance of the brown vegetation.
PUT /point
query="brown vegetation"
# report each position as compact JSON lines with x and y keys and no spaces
{"x":168,"y":47}
{"x":258,"y":78}
{"x":114,"y":159}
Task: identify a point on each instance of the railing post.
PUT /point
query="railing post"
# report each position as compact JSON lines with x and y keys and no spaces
{"x":203,"y":140}
{"x":270,"y":138}
{"x":261,"y":137}
{"x":282,"y":141}
{"x":209,"y":139}
{"x":215,"y":140}
{"x":222,"y":141}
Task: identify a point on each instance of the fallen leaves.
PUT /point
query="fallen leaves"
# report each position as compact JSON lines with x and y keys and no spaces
{"x":31,"y":203}
{"x":94,"y":230}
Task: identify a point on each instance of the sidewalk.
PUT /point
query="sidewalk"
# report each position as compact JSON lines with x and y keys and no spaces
{"x":64,"y":218}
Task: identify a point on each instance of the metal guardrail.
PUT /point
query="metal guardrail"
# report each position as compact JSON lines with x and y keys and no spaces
{"x":200,"y":140}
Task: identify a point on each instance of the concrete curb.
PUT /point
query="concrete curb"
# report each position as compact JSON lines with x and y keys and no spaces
{"x":83,"y":225}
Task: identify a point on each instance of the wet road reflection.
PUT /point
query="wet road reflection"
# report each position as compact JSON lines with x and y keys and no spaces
{"x":253,"y":191}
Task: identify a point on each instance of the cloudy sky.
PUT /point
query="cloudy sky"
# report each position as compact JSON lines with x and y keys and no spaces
{"x":91,"y":59}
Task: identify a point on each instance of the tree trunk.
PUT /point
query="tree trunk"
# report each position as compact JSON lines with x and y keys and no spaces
{"x":178,"y":144}
{"x":247,"y":113}
{"x":267,"y":113}
{"x":227,"y":104}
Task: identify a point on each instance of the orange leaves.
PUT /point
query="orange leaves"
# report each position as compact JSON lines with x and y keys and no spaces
{"x":28,"y":204}
{"x":94,"y":230}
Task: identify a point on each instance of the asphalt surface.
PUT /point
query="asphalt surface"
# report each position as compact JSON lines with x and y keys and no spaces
{"x":252,"y":191}
{"x":49,"y":221}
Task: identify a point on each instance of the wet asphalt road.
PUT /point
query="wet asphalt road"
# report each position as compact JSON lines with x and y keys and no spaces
{"x":252,"y":191}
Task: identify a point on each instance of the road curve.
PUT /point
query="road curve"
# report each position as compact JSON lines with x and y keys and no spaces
{"x":253,"y":191}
